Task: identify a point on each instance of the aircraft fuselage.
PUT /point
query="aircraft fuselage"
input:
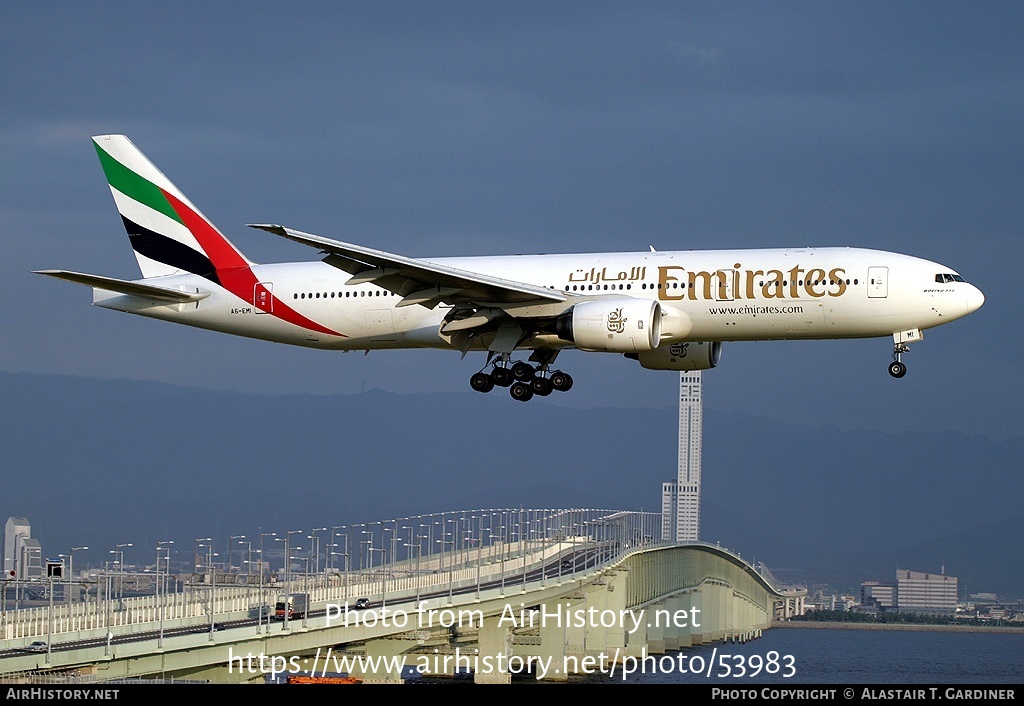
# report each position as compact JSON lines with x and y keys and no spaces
{"x":724,"y":295}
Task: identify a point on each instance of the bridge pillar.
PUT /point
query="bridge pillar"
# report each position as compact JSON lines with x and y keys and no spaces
{"x":693,"y":618}
{"x":637,"y":641}
{"x":727,"y":608}
{"x":672,"y":630}
{"x":607,"y":621}
{"x":683,"y":618}
{"x":630,"y":644}
{"x":383,"y":664}
{"x":656,"y":632}
{"x":672,"y":623}
{"x":552,"y":647}
{"x":698,"y":607}
{"x":717,"y":602}
{"x":493,"y":640}
{"x":578,"y":633}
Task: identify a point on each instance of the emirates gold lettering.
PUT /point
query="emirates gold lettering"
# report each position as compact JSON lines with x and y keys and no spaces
{"x":815,"y":279}
{"x":739,"y":283}
{"x":665,"y":278}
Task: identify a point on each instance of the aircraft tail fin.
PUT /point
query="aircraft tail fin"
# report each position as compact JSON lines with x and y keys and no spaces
{"x":169,"y":234}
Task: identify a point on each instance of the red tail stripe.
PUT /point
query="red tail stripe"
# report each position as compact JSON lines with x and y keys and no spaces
{"x":221,"y":253}
{"x":233,"y":271}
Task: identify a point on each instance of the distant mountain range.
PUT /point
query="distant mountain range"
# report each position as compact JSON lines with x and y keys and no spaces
{"x":98,"y":463}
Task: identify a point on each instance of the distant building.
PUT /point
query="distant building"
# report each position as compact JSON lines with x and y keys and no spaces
{"x":680,"y":501}
{"x":669,"y":499}
{"x":930,"y":594}
{"x":843,"y":602}
{"x":877,"y":596}
{"x":911,"y":592}
{"x":23,"y":557}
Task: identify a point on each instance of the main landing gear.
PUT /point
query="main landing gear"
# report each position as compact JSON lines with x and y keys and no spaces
{"x":522,"y":379}
{"x":896,"y":368}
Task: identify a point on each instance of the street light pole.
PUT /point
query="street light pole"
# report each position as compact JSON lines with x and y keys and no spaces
{"x":49,"y":623}
{"x":383,"y":564}
{"x":348,"y":567}
{"x":231,"y":556}
{"x":451,"y":557}
{"x":316,"y":548}
{"x":288,"y":577}
{"x":247,"y":560}
{"x":212,"y":589}
{"x":418,"y":549}
{"x":119,"y":550}
{"x":71,"y":565}
{"x":261,"y":609}
{"x":161,"y":584}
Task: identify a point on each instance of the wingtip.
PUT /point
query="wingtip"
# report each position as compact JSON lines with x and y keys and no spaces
{"x":269,"y":227}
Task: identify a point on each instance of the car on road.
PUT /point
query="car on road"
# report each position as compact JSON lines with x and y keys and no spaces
{"x":37,"y":646}
{"x":361,"y":604}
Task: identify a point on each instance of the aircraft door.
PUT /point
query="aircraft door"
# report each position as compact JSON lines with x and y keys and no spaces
{"x":263,"y":297}
{"x":878,"y":282}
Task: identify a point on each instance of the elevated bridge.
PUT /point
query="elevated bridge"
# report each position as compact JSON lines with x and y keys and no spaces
{"x":587,"y":590}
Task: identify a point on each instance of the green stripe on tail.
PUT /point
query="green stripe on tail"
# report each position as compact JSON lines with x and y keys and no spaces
{"x":134,"y":186}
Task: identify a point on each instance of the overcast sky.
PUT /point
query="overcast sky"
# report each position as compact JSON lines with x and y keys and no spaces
{"x":437,"y":128}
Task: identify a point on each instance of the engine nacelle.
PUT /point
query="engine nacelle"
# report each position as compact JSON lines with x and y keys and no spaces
{"x":622,"y":325}
{"x":691,"y":355}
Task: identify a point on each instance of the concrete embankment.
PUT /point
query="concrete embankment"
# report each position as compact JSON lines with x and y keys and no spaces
{"x":906,"y":627}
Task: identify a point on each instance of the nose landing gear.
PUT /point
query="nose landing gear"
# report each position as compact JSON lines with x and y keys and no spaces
{"x":896,"y":368}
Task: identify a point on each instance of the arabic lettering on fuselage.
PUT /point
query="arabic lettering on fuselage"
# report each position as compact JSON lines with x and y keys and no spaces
{"x":675,"y":282}
{"x":595,"y":276}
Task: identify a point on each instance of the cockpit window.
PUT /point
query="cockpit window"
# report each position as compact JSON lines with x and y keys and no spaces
{"x":945,"y":277}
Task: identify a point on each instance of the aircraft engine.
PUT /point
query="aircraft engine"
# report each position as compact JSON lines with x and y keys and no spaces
{"x":622,"y":325}
{"x":690,"y":355}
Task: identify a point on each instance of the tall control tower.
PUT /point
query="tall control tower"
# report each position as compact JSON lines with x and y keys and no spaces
{"x":680,"y":500}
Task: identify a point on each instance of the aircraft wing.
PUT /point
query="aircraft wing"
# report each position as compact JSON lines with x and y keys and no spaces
{"x":135,"y":289}
{"x":420,"y":281}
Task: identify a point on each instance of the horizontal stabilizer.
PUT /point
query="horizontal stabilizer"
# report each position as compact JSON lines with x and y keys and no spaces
{"x":135,"y":289}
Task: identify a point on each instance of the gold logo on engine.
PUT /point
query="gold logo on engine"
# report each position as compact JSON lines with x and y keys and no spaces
{"x":616,"y":321}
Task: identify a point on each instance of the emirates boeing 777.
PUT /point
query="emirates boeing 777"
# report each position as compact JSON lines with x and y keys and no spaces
{"x":667,"y":310}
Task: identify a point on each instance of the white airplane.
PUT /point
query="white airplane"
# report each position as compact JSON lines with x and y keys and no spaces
{"x":666,"y":310}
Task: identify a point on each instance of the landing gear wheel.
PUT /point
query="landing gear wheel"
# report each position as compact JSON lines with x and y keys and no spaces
{"x":561,"y":381}
{"x":897,"y":369}
{"x":521,"y":391}
{"x":522,"y":371}
{"x":541,"y":386}
{"x":482,"y":382}
{"x":502,"y":377}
